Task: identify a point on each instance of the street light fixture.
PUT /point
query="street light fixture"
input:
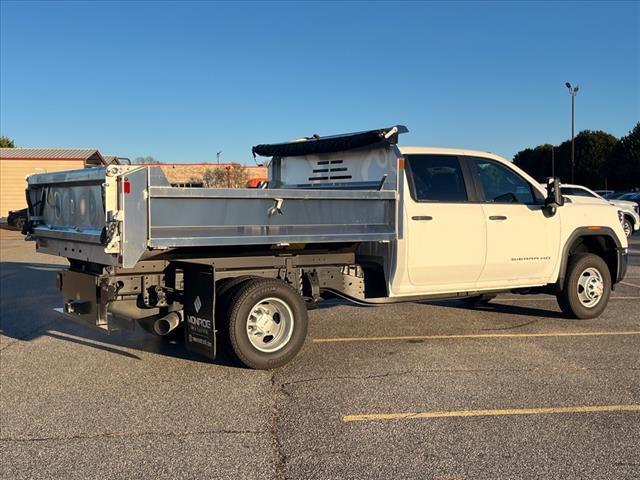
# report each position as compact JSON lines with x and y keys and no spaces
{"x":573,"y":91}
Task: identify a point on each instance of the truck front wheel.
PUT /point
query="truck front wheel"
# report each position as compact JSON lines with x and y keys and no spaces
{"x":587,"y":286}
{"x":266,"y":323}
{"x":627,"y":227}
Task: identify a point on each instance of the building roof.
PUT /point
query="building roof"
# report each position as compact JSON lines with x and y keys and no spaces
{"x":89,"y":155}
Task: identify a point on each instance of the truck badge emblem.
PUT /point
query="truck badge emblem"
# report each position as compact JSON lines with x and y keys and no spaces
{"x":197,"y":304}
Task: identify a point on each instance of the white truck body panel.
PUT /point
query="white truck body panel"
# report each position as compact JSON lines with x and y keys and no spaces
{"x":461,"y":249}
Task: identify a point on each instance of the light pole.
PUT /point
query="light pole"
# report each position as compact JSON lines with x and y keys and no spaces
{"x":573,"y":91}
{"x":218,"y":156}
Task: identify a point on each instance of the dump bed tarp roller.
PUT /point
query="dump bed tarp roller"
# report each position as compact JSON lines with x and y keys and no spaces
{"x":333,"y":143}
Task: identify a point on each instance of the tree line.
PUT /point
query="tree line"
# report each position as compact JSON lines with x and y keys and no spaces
{"x":602,"y":161}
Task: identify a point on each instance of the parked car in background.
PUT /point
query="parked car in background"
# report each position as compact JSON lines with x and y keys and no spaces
{"x":630,"y":210}
{"x":631,"y":197}
{"x":17,"y":218}
{"x":605,"y":193}
{"x":618,"y":195}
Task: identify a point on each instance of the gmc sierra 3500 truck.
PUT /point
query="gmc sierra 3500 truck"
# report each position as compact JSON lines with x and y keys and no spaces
{"x":351,"y":215}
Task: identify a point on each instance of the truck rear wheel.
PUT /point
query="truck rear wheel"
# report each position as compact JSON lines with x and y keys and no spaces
{"x":587,"y":286}
{"x":266,"y":323}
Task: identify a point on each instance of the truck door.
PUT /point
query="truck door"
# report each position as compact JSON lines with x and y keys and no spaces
{"x":445,"y":232}
{"x":522,"y":239}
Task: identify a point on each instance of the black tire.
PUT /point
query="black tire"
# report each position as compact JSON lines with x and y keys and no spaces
{"x":250,"y":293}
{"x":627,"y":226}
{"x":227,"y":286}
{"x":225,"y":289}
{"x":20,"y":223}
{"x":478,"y":300}
{"x":569,"y":299}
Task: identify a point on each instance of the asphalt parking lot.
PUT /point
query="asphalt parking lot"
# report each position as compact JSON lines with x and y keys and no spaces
{"x":412,"y":390}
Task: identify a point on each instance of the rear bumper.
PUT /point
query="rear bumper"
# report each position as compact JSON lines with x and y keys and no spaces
{"x":622,"y":258}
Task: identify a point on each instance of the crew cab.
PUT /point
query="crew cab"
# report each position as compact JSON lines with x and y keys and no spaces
{"x":353,"y":216}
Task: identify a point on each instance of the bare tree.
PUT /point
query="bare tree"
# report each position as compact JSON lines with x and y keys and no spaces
{"x":229,"y":176}
{"x":149,"y":160}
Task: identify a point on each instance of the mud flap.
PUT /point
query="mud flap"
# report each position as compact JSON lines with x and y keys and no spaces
{"x":199,"y":308}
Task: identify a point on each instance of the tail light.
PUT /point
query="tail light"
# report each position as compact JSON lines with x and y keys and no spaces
{"x":59,"y":281}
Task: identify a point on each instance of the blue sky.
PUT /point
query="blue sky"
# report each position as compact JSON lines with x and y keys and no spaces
{"x":180,"y":80}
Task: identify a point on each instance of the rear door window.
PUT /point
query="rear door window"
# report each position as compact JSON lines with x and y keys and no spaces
{"x":436,"y":178}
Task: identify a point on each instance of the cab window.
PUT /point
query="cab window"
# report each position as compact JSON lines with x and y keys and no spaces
{"x":500,"y":184}
{"x":436,"y":178}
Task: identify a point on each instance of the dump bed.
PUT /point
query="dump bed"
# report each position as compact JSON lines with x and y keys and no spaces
{"x":113,"y":215}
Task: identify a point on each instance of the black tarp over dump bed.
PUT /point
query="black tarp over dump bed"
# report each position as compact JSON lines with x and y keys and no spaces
{"x":329,"y":144}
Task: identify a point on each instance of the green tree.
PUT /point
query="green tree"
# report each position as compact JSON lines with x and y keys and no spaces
{"x":592,"y":151}
{"x":537,"y":161}
{"x":6,"y":142}
{"x":623,"y":165}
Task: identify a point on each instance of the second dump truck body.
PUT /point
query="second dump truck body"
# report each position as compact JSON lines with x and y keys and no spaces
{"x":351,"y":215}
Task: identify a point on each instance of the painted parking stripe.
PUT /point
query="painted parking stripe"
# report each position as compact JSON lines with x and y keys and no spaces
{"x":630,"y":284}
{"x":472,"y":335}
{"x":488,"y":413}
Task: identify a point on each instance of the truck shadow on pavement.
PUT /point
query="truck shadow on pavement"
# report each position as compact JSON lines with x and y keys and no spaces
{"x":496,"y":307}
{"x":28,"y":297}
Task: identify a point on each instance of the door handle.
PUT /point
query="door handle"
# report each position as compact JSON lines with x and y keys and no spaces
{"x":497,"y":217}
{"x":421,"y":217}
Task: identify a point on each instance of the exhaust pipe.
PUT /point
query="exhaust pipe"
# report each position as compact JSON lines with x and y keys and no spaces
{"x":166,"y":324}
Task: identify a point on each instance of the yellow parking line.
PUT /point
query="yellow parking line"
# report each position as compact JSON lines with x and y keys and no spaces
{"x":485,"y":413}
{"x":472,"y":335}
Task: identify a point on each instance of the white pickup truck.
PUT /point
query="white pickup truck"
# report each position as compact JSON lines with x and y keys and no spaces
{"x":351,"y":215}
{"x":630,"y":210}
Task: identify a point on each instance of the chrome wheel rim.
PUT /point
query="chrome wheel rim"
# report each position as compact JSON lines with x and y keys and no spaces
{"x":590,"y":287}
{"x":270,"y":325}
{"x":627,"y":228}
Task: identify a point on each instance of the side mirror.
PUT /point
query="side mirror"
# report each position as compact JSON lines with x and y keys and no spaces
{"x":554,"y":194}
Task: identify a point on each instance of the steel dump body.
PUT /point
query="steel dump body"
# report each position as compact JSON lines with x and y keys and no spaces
{"x":209,"y":217}
{"x":145,"y":253}
{"x":116,"y":215}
